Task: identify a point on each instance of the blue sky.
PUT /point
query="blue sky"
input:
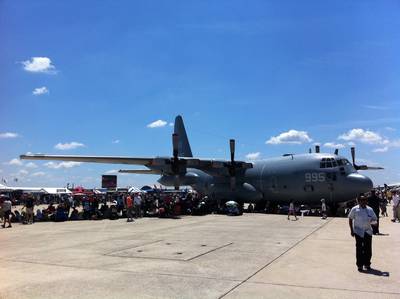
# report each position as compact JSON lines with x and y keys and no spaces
{"x":98,"y":73}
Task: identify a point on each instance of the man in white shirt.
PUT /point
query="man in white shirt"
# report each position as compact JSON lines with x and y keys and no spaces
{"x":137,"y":202}
{"x":361,"y":217}
{"x":396,"y":206}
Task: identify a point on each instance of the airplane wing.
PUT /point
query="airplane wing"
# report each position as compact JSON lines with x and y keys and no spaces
{"x":157,"y":165}
{"x":95,"y":159}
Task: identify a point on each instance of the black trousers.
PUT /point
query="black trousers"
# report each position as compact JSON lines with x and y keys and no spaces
{"x":363,"y":250}
{"x":375,"y":228}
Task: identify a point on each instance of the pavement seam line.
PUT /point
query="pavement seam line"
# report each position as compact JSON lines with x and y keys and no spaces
{"x":276,"y":258}
{"x":122,"y":271}
{"x":324,"y":288}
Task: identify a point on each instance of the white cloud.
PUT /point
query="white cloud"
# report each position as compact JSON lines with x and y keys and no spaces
{"x":30,"y":165}
{"x":40,"y":90}
{"x":8,"y":135}
{"x":381,"y":149}
{"x":39,"y":65}
{"x":39,"y":173}
{"x":116,"y":141}
{"x":364,"y":136}
{"x":54,"y":165}
{"x":291,"y":137}
{"x":390,"y":129}
{"x":253,"y":156}
{"x":22,"y":172}
{"x":374,"y":107}
{"x":171,"y":124}
{"x":15,"y":162}
{"x":68,"y":146}
{"x":157,"y":124}
{"x":334,"y":145}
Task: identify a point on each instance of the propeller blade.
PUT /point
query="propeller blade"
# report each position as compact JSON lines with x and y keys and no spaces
{"x":176,"y":182}
{"x":353,"y":156}
{"x":175,"y":141}
{"x":336,"y":151}
{"x":232,"y":148}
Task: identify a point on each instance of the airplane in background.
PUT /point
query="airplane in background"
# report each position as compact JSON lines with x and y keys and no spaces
{"x":303,"y":178}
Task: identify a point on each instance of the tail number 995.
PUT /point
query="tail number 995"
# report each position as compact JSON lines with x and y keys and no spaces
{"x":314,"y":177}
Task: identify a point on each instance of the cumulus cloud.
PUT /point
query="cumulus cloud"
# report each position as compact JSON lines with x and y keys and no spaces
{"x":116,"y":141}
{"x":23,"y":172}
{"x":68,"y":146}
{"x":291,"y":137}
{"x":40,"y":90}
{"x":30,"y":165}
{"x":39,"y":173}
{"x":8,"y":135}
{"x":39,"y":65}
{"x":54,"y":165}
{"x":15,"y":162}
{"x":364,"y":136}
{"x":253,"y":156}
{"x":157,"y":124}
{"x":334,"y":145}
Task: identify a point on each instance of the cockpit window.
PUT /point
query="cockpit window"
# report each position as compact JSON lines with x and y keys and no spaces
{"x":329,"y":163}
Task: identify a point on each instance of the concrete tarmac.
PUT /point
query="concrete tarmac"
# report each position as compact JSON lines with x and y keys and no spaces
{"x":213,"y":256}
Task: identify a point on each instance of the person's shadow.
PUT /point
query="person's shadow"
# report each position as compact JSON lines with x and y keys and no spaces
{"x":377,"y":272}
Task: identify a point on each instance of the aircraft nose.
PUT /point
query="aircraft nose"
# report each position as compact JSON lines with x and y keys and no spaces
{"x":359,"y":183}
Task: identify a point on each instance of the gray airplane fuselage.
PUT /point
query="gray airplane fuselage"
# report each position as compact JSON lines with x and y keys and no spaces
{"x":303,"y":178}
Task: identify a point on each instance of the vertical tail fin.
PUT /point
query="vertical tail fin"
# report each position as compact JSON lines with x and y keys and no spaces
{"x":183,"y":145}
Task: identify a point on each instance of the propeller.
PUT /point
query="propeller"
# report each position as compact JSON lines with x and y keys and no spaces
{"x":336,"y":151}
{"x":232,"y":166}
{"x":175,"y":160}
{"x":361,"y":167}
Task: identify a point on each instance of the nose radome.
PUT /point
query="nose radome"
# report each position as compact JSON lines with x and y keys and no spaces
{"x":360,"y":182}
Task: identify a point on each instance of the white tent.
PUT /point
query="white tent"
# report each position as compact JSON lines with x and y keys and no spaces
{"x":56,"y":191}
{"x":135,"y":190}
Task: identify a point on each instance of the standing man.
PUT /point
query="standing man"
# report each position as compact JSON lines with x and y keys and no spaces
{"x":129,"y":208}
{"x":7,"y":212}
{"x":396,"y":206}
{"x":373,"y":202}
{"x":137,"y":201}
{"x":291,"y":210}
{"x":360,"y":219}
{"x":29,"y":205}
{"x":323,"y":209}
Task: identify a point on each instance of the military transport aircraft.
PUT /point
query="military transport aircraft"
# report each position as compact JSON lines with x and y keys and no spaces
{"x":304,"y":178}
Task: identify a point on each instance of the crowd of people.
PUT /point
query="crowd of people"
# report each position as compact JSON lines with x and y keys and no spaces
{"x":97,"y":207}
{"x":135,"y":205}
